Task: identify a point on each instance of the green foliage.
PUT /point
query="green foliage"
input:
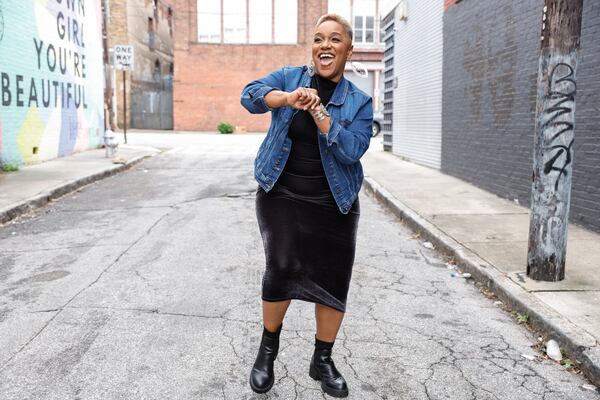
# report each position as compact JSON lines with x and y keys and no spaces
{"x":10,"y":167}
{"x":224,"y":127}
{"x":568,"y":363}
{"x":522,"y":318}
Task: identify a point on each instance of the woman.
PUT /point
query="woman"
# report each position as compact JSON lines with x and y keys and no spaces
{"x":307,"y":205}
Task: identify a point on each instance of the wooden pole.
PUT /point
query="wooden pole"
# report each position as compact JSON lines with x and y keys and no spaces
{"x":553,"y":139}
{"x":125,"y":105}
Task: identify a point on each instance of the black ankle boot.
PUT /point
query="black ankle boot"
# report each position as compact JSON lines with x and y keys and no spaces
{"x":322,"y":368}
{"x":262,"y":376}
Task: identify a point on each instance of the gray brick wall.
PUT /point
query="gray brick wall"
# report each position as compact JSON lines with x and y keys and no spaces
{"x":491,"y":53}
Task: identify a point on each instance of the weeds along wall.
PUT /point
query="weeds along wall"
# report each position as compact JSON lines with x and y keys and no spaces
{"x":51,"y":79}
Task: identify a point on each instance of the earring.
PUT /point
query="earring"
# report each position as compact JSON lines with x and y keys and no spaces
{"x":356,"y":66}
{"x":311,"y":68}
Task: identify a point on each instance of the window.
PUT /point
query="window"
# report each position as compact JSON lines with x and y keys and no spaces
{"x":261,"y":27}
{"x":156,"y":74}
{"x":170,"y":20}
{"x":363,"y":29}
{"x":209,"y":21}
{"x":364,"y":21}
{"x":341,"y":7}
{"x":234,"y":21}
{"x":361,"y":14}
{"x":286,"y":21}
{"x":151,"y":34}
{"x":248,"y":21}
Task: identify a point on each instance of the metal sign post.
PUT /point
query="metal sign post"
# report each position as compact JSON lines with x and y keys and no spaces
{"x":125,"y":105}
{"x":123,"y":60}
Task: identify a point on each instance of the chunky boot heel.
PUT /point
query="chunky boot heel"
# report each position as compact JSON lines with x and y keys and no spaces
{"x":322,"y":368}
{"x":312,"y":372}
{"x":262,"y":376}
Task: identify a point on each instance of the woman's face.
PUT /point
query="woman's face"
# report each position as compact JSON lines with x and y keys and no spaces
{"x":330,"y":50}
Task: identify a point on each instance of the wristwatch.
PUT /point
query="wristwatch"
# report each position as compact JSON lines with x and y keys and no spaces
{"x":321,"y":113}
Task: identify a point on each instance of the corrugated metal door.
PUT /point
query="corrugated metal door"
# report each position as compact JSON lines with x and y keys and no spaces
{"x":152,"y":105}
{"x":388,"y":25}
{"x":364,"y":84}
{"x":418,"y":46}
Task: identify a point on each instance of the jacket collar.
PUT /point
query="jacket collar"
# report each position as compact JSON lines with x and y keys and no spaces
{"x":340,"y":92}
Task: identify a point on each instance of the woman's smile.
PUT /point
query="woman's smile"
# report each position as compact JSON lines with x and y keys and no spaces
{"x":332,"y":46}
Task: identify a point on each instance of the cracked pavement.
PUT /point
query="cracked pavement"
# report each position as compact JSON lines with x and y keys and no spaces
{"x":146,"y":285}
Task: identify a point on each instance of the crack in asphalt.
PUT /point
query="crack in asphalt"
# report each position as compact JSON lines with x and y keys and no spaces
{"x":147,"y":233}
{"x":387,"y":353}
{"x":83,"y":246}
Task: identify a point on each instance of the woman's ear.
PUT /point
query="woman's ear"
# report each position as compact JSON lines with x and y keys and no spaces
{"x":350,"y":52}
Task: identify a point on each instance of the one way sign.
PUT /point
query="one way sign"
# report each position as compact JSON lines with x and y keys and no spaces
{"x":123,"y":56}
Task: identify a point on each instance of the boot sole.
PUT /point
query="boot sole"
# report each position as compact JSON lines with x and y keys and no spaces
{"x":262,"y":390}
{"x":313,"y":373}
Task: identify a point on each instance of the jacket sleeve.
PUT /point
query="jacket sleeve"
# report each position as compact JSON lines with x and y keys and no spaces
{"x":349,"y":143}
{"x":253,"y":95}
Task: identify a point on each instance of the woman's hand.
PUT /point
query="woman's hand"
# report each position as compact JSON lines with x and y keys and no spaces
{"x":303,"y":99}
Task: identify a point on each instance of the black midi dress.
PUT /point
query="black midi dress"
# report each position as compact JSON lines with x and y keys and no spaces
{"x":309,"y":244}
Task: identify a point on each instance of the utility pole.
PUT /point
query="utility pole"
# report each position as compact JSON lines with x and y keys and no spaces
{"x":553,"y":139}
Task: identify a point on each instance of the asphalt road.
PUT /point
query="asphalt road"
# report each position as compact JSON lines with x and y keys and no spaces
{"x":147,"y":286}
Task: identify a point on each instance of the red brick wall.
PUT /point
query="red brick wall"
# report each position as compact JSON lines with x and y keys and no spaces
{"x":209,"y":77}
{"x":448,"y":3}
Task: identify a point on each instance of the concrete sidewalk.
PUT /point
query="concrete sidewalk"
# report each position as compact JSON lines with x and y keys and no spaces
{"x":33,"y":186}
{"x":488,"y":237}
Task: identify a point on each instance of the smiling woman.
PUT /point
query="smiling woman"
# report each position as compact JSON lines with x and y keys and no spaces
{"x":309,"y":175}
{"x":332,"y":46}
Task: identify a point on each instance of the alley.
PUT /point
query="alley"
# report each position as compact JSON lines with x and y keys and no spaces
{"x":146,"y":285}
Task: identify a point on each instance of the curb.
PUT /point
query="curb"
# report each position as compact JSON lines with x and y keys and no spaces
{"x":11,"y":212}
{"x":577,"y":343}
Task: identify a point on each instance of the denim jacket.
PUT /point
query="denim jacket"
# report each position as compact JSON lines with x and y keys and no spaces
{"x":341,"y":149}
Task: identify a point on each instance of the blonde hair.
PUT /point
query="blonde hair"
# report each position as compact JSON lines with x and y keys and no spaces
{"x":336,"y":18}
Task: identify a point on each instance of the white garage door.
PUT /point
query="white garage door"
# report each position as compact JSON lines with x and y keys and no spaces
{"x":418,"y":49}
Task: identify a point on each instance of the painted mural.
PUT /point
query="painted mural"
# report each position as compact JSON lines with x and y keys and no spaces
{"x":51,"y":79}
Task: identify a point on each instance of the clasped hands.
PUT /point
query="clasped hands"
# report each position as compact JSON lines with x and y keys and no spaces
{"x":306,"y":99}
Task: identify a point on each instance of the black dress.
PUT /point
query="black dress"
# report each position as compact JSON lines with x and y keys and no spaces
{"x":309,"y":244}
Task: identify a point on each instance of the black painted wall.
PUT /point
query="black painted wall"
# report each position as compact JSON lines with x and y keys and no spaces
{"x":491,"y":51}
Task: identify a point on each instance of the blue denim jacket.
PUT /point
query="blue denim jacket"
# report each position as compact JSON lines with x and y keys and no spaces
{"x":341,"y":149}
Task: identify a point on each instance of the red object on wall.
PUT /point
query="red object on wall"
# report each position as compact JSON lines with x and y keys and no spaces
{"x":449,"y":3}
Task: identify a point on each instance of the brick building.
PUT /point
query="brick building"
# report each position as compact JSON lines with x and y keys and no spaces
{"x":147,"y":25}
{"x":220,"y":45}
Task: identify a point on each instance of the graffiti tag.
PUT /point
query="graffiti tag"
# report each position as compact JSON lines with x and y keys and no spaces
{"x":560,"y":119}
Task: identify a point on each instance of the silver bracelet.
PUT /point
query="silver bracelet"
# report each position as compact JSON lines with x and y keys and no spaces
{"x":321,"y":113}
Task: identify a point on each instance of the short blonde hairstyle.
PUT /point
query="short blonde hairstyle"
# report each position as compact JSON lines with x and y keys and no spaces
{"x":339,"y":19}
